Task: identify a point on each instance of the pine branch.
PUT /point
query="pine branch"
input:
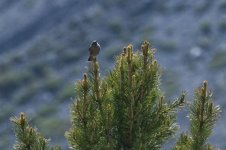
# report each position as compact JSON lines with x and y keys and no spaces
{"x":91,"y":113}
{"x":27,"y":138}
{"x":183,"y":143}
{"x":203,"y":116}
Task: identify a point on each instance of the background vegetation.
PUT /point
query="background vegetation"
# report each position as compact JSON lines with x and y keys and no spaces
{"x":44,"y":44}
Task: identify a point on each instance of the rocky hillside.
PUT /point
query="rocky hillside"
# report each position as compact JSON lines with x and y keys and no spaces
{"x":44,"y":49}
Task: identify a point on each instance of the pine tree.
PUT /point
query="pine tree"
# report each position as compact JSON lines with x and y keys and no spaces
{"x":203,"y":116}
{"x":124,"y":110}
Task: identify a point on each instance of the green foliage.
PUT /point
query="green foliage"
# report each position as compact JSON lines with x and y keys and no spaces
{"x":27,"y":138}
{"x":125,"y":110}
{"x":203,"y":116}
{"x":91,"y":114}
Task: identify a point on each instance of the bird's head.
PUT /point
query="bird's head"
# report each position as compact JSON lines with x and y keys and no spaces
{"x":94,"y":43}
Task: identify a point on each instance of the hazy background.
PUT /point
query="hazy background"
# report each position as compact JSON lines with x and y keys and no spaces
{"x":44,"y":50}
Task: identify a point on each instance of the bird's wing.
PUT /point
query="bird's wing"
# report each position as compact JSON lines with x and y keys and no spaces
{"x":92,"y":51}
{"x":98,"y":50}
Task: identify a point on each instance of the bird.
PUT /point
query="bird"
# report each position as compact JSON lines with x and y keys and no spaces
{"x":94,"y":50}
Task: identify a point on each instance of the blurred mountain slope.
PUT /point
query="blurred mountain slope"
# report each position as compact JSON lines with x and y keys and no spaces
{"x":44,"y":49}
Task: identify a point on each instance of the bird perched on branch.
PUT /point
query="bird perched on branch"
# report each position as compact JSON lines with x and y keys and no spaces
{"x":94,"y":50}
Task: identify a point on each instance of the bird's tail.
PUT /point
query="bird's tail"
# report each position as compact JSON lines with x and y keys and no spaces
{"x":91,"y":58}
